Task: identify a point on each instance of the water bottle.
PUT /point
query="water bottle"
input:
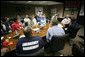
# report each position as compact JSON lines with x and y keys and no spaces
{"x":16,"y":32}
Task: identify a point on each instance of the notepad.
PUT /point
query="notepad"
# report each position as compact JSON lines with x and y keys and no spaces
{"x":36,"y":29}
{"x":42,"y":25}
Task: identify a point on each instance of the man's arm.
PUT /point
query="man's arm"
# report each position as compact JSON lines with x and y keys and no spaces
{"x":48,"y":35}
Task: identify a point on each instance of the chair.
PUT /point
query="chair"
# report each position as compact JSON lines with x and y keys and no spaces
{"x":72,"y":34}
{"x":78,"y":49}
{"x":38,"y":53}
{"x":56,"y":44}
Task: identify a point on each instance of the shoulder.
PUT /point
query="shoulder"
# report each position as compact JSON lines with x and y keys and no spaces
{"x":37,"y":37}
{"x":24,"y":18}
{"x":13,"y":23}
{"x":64,"y":19}
{"x":50,"y":29}
{"x":21,"y":39}
{"x":69,"y":18}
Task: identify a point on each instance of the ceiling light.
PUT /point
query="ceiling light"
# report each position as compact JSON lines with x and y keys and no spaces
{"x":29,"y":1}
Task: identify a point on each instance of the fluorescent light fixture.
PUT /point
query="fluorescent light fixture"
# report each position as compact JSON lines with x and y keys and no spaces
{"x":29,"y":1}
{"x":43,"y":2}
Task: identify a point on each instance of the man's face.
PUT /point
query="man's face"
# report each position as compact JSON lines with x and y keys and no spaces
{"x":32,"y":18}
{"x":27,"y":16}
{"x":18,"y":16}
{"x":67,"y":16}
{"x":7,"y":19}
{"x":17,"y":21}
{"x":43,"y":18}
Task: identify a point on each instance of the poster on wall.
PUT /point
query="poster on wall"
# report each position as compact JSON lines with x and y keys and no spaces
{"x":82,"y":11}
{"x":54,"y":10}
{"x":39,"y":11}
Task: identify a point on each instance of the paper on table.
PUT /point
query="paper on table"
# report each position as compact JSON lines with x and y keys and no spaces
{"x":42,"y":25}
{"x":9,"y":37}
{"x":2,"y":38}
{"x":35,"y":29}
{"x":22,"y":36}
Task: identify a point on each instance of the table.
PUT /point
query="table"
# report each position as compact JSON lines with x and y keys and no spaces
{"x":13,"y":46}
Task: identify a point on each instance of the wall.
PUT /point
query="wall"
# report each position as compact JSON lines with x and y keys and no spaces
{"x":74,"y":16}
{"x":59,"y":9}
{"x":9,"y":10}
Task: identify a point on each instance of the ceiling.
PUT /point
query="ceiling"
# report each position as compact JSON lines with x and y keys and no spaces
{"x":35,"y":2}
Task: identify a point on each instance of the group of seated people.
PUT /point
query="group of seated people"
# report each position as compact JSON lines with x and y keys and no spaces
{"x":34,"y":44}
{"x":20,"y":23}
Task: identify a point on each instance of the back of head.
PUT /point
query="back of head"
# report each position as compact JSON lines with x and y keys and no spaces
{"x":15,"y":19}
{"x":26,"y":16}
{"x":27,"y":31}
{"x":67,"y":16}
{"x":73,"y":20}
{"x":54,"y":21}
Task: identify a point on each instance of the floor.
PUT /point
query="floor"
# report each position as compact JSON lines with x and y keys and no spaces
{"x":67,"y":51}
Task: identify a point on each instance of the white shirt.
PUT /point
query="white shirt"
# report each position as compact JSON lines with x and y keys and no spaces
{"x":35,"y":22}
{"x":55,"y":30}
{"x":59,"y":25}
{"x":27,"y":20}
{"x":4,"y":27}
{"x":66,"y":21}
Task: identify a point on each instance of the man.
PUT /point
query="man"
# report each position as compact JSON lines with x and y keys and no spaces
{"x":55,"y":30}
{"x":16,"y":25}
{"x":66,"y":21}
{"x":33,"y":21}
{"x":8,"y":25}
{"x":29,"y":44}
{"x":73,"y":27}
{"x":18,"y":17}
{"x":26,"y":19}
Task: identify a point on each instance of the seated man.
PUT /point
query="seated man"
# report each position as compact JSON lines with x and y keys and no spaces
{"x":29,"y":44}
{"x":33,"y":21}
{"x":55,"y":30}
{"x":72,"y":28}
{"x":16,"y":25}
{"x":27,"y":19}
{"x":66,"y":21}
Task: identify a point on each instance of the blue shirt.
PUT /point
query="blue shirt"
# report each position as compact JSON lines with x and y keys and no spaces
{"x":55,"y":30}
{"x":27,"y":45}
{"x":38,"y":19}
{"x":43,"y":21}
